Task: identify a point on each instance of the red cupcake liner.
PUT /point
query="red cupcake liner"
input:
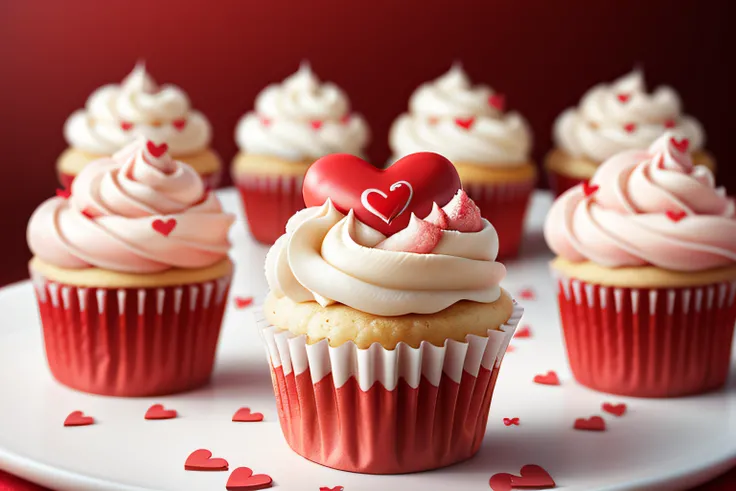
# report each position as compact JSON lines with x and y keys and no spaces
{"x":211,"y":181}
{"x":559,"y":183}
{"x":665,"y":342}
{"x":269,"y":202}
{"x":505,"y":206}
{"x":380,"y":411}
{"x":132,"y":342}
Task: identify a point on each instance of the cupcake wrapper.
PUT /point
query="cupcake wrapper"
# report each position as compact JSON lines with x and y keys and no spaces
{"x":504,"y":205}
{"x":643,"y":342}
{"x":559,"y":183}
{"x":269,"y":203}
{"x":382,"y":411}
{"x":131,"y":342}
{"x":211,"y":181}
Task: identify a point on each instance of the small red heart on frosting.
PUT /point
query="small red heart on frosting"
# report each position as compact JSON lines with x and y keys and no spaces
{"x":511,"y":421}
{"x":623,"y":97}
{"x":630,"y":128}
{"x":676,"y":216}
{"x":243,"y":479}
{"x":201,"y":460}
{"x":532,"y":477}
{"x":527,"y":294}
{"x":346,"y":119}
{"x":77,"y":418}
{"x":680,"y":145}
{"x":550,"y":378}
{"x":164,"y":227}
{"x":524,"y":332}
{"x":594,"y":423}
{"x":87,"y":213}
{"x":243,"y":415}
{"x":156,"y":150}
{"x":242,"y":302}
{"x":615,"y":409}
{"x":465,"y":123}
{"x":497,"y":101}
{"x":336,"y":488}
{"x":382,"y":199}
{"x":588,"y":189}
{"x":179,"y":124}
{"x":670,"y":123}
{"x":316,"y":124}
{"x":265,"y":121}
{"x":157,"y":411}
{"x":126,"y":126}
{"x":63,"y":193}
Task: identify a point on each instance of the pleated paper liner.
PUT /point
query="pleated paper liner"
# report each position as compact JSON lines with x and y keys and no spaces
{"x":664,"y":342}
{"x":559,"y":183}
{"x":269,"y":202}
{"x":382,"y":411}
{"x":131,"y":342}
{"x":505,"y":206}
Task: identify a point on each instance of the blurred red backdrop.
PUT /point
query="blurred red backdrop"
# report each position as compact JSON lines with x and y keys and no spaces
{"x":542,"y":54}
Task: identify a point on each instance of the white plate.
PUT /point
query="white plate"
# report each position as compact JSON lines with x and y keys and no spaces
{"x":665,"y":444}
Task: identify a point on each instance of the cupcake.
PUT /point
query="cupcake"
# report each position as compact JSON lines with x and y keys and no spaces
{"x":115,"y":115}
{"x":613,"y":118}
{"x":294,"y":123}
{"x":385,"y":349}
{"x":489,"y":147}
{"x":646,"y":271}
{"x":131,"y":273}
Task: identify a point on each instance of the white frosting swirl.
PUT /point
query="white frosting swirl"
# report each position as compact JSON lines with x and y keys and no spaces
{"x":302,"y":119}
{"x":622,"y":116}
{"x":451,"y":117}
{"x":329,"y":257}
{"x":115,"y":115}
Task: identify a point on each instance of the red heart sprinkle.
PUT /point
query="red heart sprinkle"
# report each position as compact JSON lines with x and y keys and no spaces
{"x":670,"y":123}
{"x":164,"y":227}
{"x":346,"y":119}
{"x":680,"y":145}
{"x":550,"y":378}
{"x":336,"y":488}
{"x":532,"y":477}
{"x":511,"y":421}
{"x":156,"y":150}
{"x":63,"y":193}
{"x":87,"y":213}
{"x":200,"y":460}
{"x":465,"y":123}
{"x":594,"y":423}
{"x":179,"y":124}
{"x":77,"y":418}
{"x":243,"y":479}
{"x":126,"y":126}
{"x":242,"y":302}
{"x":589,"y":189}
{"x":623,"y":97}
{"x":265,"y":121}
{"x":527,"y":294}
{"x":433,"y":119}
{"x":157,"y":411}
{"x":629,"y":128}
{"x":524,"y":332}
{"x":243,"y":415}
{"x":316,"y":124}
{"x":497,"y":101}
{"x":676,"y":216}
{"x":615,"y":409}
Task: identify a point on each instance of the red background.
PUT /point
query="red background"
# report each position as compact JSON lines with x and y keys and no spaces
{"x":542,"y":54}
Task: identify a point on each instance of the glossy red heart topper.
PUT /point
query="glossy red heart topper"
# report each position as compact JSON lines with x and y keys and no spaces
{"x":382,"y":199}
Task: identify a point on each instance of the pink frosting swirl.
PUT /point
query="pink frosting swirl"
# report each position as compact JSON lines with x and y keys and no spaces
{"x":647,"y":208}
{"x":137,"y":212}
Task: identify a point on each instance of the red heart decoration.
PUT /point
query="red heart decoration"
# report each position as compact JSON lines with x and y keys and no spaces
{"x":680,"y":145}
{"x":336,"y":488}
{"x":164,"y":227}
{"x":588,"y":189}
{"x":497,"y":101}
{"x":594,"y":423}
{"x":550,"y":378}
{"x":201,"y":460}
{"x":157,"y":411}
{"x":511,"y":421}
{"x":243,"y":479}
{"x":532,"y":476}
{"x":126,"y":126}
{"x":629,"y":128}
{"x":527,"y":294}
{"x":316,"y":124}
{"x":676,"y":216}
{"x":465,"y":123}
{"x":63,"y":193}
{"x":243,"y":415}
{"x":623,"y":97}
{"x":615,"y":409}
{"x":265,"y":121}
{"x":87,"y":213}
{"x":156,"y":150}
{"x":179,"y":124}
{"x":524,"y":332}
{"x":382,"y":199}
{"x":346,"y":119}
{"x":670,"y":123}
{"x":242,"y":302}
{"x":77,"y":418}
